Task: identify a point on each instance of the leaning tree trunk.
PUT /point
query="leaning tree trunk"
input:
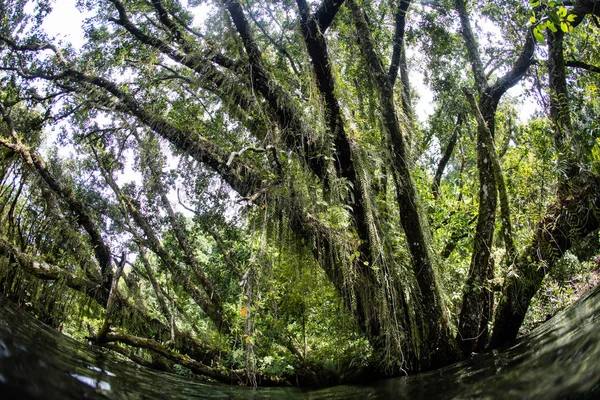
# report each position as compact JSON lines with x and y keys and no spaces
{"x":567,"y":221}
{"x":439,"y":345}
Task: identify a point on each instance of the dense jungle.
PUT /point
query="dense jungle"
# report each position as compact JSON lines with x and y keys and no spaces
{"x":299,"y":192}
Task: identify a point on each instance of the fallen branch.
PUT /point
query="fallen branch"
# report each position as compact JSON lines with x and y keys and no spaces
{"x":195,"y":366}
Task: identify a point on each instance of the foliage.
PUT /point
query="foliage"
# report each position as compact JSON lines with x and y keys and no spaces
{"x":255,"y":190}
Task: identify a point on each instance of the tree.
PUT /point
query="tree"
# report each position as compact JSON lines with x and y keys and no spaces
{"x":304,"y":111}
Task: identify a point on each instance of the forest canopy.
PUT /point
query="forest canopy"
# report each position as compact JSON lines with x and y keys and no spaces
{"x":254,"y":190}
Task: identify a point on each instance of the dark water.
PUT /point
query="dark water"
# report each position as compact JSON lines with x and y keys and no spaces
{"x":559,"y":360}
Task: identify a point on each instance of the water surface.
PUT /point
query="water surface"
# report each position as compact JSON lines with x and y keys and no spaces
{"x":558,"y":360}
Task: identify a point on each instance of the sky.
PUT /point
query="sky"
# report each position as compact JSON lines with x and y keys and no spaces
{"x":65,"y":23}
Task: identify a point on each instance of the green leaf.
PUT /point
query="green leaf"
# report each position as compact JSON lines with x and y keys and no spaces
{"x":534,"y":3}
{"x":562,"y":12}
{"x":564,"y":27}
{"x":539,"y":36}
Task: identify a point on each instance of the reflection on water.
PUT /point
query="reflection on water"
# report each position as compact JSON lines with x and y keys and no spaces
{"x":559,"y":360}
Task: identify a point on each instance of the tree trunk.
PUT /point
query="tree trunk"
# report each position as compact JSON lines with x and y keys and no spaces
{"x":440,"y":346}
{"x":477,"y":295}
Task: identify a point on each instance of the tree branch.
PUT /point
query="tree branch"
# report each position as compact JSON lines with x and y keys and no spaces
{"x":153,"y":345}
{"x":46,"y":271}
{"x":35,"y":163}
{"x":472,"y":46}
{"x":278,"y":46}
{"x":518,"y":70}
{"x":326,"y":13}
{"x":582,"y":65}
{"x":212,"y":310}
{"x":108,"y":319}
{"x":446,"y":156}
{"x":296,"y":133}
{"x":155,"y":169}
{"x":192,"y":143}
{"x":511,"y":250}
{"x":162,"y":303}
{"x":411,"y":220}
{"x":567,"y":221}
{"x":398,"y":62}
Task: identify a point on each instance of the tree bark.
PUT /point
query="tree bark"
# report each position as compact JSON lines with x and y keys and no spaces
{"x":560,"y":113}
{"x":398,"y":62}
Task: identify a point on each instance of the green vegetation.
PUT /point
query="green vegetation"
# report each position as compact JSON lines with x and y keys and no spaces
{"x":255,"y":196}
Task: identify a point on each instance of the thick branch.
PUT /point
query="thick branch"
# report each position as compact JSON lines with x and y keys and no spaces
{"x":567,"y":221}
{"x":507,"y":235}
{"x":212,"y":79}
{"x":326,"y":13}
{"x":398,"y":62}
{"x":162,"y":302}
{"x":518,"y":70}
{"x":472,"y":329}
{"x":72,"y":236}
{"x":108,"y":319}
{"x":560,"y":113}
{"x":398,"y":44}
{"x":46,"y":271}
{"x":195,"y":366}
{"x":242,"y":179}
{"x":296,"y":133}
{"x":583,"y":8}
{"x":164,"y":18}
{"x":582,"y":65}
{"x":477,"y":297}
{"x":35,"y":162}
{"x":190,"y":142}
{"x":442,"y":345}
{"x":343,"y":161}
{"x":157,"y":347}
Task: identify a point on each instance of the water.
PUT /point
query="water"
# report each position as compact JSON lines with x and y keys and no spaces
{"x":558,"y":360}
